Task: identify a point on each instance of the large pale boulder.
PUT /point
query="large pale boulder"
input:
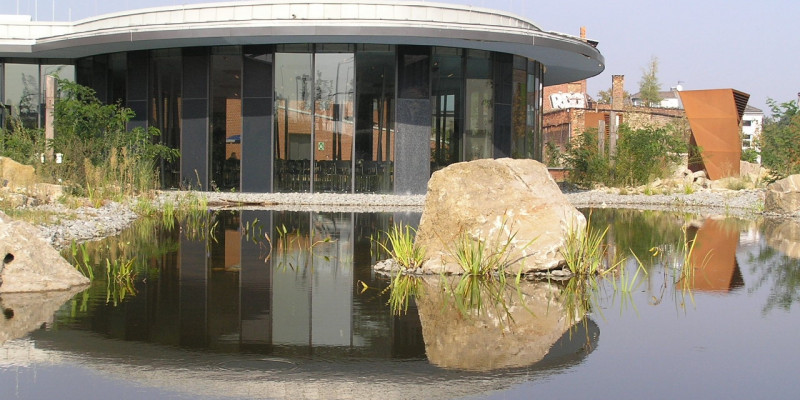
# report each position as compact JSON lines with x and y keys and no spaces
{"x":30,"y":264}
{"x":490,"y":201}
{"x":783,"y":196}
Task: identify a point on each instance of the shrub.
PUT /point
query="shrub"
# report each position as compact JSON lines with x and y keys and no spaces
{"x":642,"y":155}
{"x":584,"y":160}
{"x":20,"y":143}
{"x":779,"y":150}
{"x":101,"y":157}
{"x":645,"y":154}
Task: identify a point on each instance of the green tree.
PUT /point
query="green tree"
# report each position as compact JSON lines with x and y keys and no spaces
{"x":605,"y":97}
{"x":780,"y":138}
{"x":649,"y":87}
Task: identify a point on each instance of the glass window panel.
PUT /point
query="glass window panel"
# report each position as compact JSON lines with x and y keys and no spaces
{"x":479,"y":106}
{"x":22,"y":93}
{"x":226,"y":117}
{"x":375,"y":135}
{"x":293,"y":102}
{"x":414,"y":72}
{"x":447,"y":87}
{"x":165,"y":107}
{"x":117,"y":84}
{"x":333,"y":122}
{"x":519,"y":111}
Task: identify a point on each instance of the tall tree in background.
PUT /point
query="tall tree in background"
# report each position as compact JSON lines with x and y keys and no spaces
{"x":649,"y":85}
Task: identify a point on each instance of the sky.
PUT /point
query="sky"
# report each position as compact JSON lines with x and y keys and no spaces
{"x":747,"y":45}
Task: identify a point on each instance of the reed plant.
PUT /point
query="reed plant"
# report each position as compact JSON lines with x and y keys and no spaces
{"x":585,"y":251}
{"x":485,"y":265}
{"x":401,"y":247}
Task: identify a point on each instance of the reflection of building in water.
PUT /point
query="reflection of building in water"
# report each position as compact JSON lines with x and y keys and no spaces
{"x":714,"y":259}
{"x":301,"y":300}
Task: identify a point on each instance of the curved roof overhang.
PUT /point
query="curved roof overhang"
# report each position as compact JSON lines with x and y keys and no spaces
{"x":566,"y":58}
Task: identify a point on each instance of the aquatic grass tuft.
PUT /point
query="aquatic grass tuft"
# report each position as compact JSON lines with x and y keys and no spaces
{"x":485,"y":265}
{"x":584,"y":251}
{"x":401,"y":247}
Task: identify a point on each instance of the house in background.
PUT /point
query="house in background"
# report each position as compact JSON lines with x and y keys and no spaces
{"x":752,"y":123}
{"x":669,"y":99}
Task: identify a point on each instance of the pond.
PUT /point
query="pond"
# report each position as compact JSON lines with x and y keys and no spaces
{"x":259,"y":304}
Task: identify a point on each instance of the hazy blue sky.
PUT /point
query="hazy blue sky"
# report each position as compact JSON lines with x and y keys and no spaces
{"x":752,"y":46}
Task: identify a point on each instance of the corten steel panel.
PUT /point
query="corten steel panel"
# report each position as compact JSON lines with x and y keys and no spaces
{"x":714,"y":116}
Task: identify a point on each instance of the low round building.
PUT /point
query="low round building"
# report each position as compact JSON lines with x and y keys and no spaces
{"x":324,"y":96}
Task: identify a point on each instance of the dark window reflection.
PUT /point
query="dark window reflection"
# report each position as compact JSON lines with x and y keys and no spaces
{"x":448,"y":106}
{"x":374,"y":141}
{"x":226,"y":117}
{"x":165,"y":107}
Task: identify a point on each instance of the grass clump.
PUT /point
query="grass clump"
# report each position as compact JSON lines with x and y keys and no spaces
{"x":401,"y":247}
{"x":584,"y":251}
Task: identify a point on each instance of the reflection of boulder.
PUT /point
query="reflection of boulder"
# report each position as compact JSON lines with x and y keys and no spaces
{"x":783,"y":196}
{"x":489,"y":200}
{"x":783,"y":236}
{"x":25,"y":312}
{"x":490,"y":341}
{"x":30,"y":264}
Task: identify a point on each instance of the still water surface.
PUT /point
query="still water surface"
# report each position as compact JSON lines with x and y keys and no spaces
{"x":217,"y":311}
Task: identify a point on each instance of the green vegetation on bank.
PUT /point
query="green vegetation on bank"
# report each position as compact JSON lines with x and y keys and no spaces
{"x":642,"y":155}
{"x":101,"y":158}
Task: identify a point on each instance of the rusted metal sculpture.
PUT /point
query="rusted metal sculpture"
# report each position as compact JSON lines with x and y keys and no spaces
{"x":715,"y":116}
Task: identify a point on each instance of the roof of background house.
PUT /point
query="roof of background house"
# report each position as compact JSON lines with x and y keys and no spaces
{"x":663,"y":94}
{"x":753,"y":110}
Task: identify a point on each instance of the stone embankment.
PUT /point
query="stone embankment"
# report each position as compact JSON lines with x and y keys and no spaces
{"x":87,"y":223}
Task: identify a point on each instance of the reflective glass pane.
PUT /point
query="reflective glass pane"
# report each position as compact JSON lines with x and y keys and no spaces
{"x":21,"y":92}
{"x":333,"y":122}
{"x":226,"y":118}
{"x":293,"y":103}
{"x":479,"y":106}
{"x":448,"y":106}
{"x":519,"y":113}
{"x":375,"y":134}
{"x":165,"y":107}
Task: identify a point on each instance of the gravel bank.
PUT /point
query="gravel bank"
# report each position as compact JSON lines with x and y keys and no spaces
{"x":739,"y":203}
{"x":86,"y":223}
